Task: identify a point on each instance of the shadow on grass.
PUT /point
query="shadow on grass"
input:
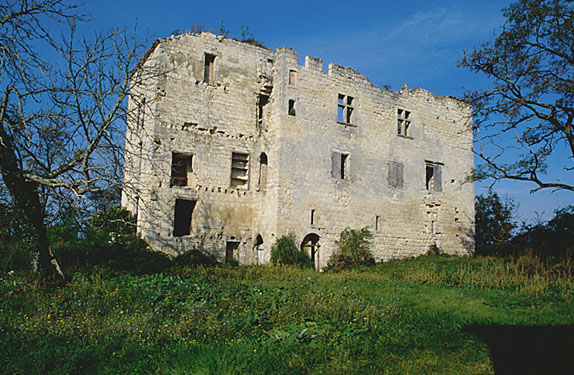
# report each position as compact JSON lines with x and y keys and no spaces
{"x":528,"y":349}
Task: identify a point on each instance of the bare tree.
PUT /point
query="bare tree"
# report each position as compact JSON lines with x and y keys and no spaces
{"x":62,"y":111}
{"x":528,"y":114}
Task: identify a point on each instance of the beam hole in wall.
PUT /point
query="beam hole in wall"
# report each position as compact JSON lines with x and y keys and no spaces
{"x":183,"y":217}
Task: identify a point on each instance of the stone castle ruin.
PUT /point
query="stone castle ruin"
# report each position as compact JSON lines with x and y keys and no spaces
{"x":234,"y":145}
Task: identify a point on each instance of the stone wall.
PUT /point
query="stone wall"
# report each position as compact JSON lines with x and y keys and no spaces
{"x":319,"y":151}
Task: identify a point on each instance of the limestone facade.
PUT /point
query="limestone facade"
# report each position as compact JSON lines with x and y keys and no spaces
{"x":233,"y":145}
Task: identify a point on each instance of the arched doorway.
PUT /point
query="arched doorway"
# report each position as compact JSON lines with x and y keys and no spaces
{"x":311,"y":246}
{"x":260,"y":249}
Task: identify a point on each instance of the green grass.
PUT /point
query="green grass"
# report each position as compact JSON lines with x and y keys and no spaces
{"x":431,"y":315}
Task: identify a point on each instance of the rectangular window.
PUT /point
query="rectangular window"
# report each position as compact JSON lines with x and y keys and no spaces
{"x":231,"y":251}
{"x":182,"y":223}
{"x":377,"y":223}
{"x":345,"y":109}
{"x":340,"y":166}
{"x":292,"y":111}
{"x":395,"y":174}
{"x":181,"y":167}
{"x":403,"y":123}
{"x":433,"y":176}
{"x":239,"y":169}
{"x":292,"y":78}
{"x":209,"y":72}
{"x":313,"y":216}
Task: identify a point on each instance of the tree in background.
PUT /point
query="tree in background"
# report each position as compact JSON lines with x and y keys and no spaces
{"x":494,"y":223}
{"x":531,"y":103}
{"x":62,"y":111}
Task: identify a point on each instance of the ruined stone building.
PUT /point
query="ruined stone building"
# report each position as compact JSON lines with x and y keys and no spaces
{"x":234,"y":145}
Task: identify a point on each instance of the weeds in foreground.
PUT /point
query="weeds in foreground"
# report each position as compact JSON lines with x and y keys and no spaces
{"x":395,"y":316}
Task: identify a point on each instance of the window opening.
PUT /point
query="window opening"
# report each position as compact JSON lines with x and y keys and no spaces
{"x":313,"y":216}
{"x":433,"y":180}
{"x":181,"y":167}
{"x":340,"y":165}
{"x":343,"y":165}
{"x":209,"y":72}
{"x":183,"y":215}
{"x":345,"y":109}
{"x":263,"y":100}
{"x":403,"y":123}
{"x":395,"y":174}
{"x":292,"y":111}
{"x":377,"y":223}
{"x":239,"y":169}
{"x":262,"y":171}
{"x":292,"y":78}
{"x":231,"y":251}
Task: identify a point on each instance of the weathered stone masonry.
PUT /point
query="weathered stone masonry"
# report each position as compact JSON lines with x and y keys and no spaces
{"x":234,"y":145}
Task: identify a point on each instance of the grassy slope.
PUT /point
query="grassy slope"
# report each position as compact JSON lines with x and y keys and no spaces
{"x":432,"y":315}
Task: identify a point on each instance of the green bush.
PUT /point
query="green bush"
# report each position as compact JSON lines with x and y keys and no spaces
{"x":285,"y":252}
{"x":109,"y":240}
{"x":354,"y":250}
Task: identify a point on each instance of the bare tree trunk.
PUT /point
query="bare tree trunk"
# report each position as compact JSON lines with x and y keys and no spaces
{"x":26,"y":201}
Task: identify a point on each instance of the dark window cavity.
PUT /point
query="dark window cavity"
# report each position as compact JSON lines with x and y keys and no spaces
{"x":182,"y":224}
{"x":340,"y":165}
{"x":181,"y":167}
{"x":433,"y":176}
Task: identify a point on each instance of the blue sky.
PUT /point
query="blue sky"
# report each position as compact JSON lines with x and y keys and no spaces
{"x":391,"y":42}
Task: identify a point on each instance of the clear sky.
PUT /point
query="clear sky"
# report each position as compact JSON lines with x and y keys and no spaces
{"x":391,"y":42}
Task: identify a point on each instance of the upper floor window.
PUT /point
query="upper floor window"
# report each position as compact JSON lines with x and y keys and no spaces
{"x":403,"y":123}
{"x":433,"y":176}
{"x":292,"y":78}
{"x":395,"y":174}
{"x":209,"y":72}
{"x":340,"y":165}
{"x":181,"y":168}
{"x":291,"y":109}
{"x":345,"y":109}
{"x":239,"y":169}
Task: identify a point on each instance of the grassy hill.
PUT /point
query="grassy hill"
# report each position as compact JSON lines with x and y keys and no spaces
{"x":430,"y":315}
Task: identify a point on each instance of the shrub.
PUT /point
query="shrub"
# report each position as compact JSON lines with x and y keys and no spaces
{"x":285,"y":252}
{"x":354,"y":250}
